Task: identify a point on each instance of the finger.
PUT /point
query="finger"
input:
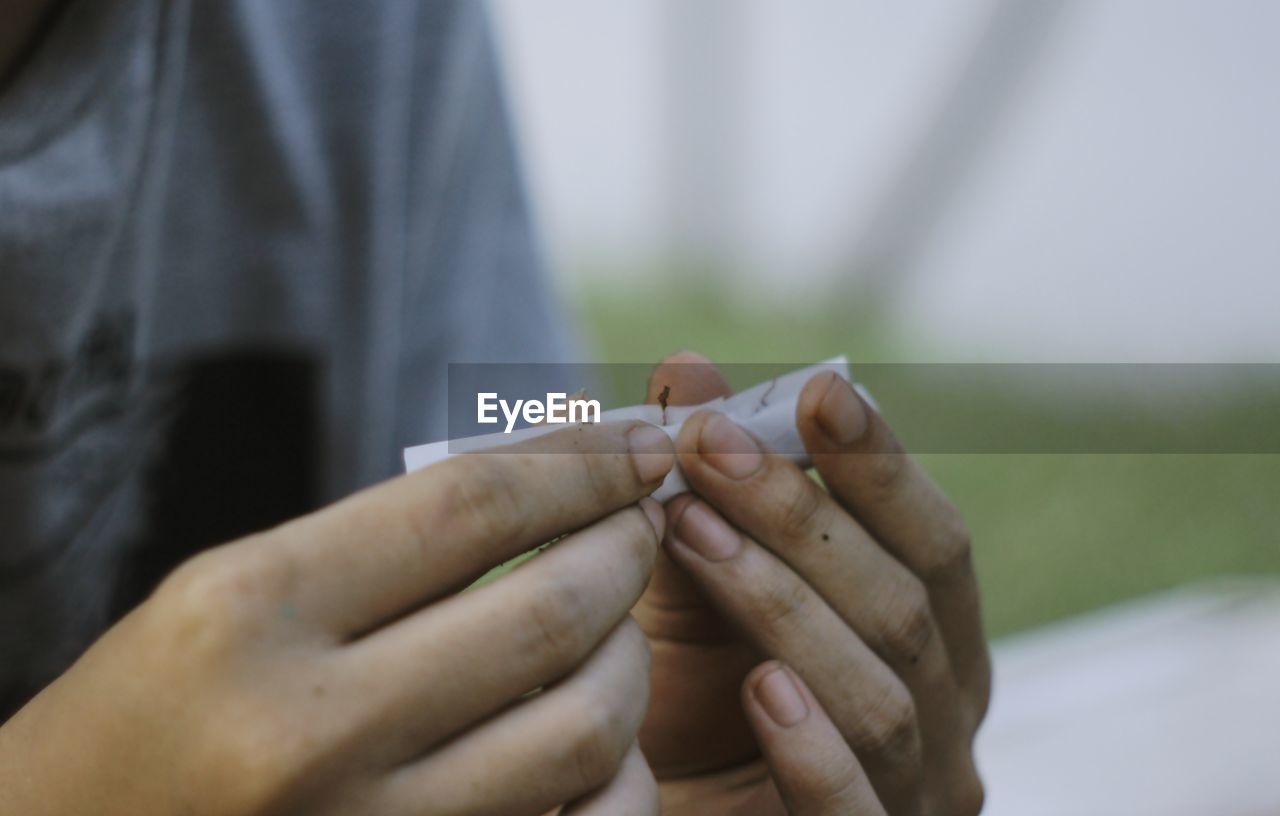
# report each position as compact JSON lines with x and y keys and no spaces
{"x":774,"y":502}
{"x":686,"y":378}
{"x":787,"y":619}
{"x":867,"y":470}
{"x":369,"y":559}
{"x":815,"y":771}
{"x":633,"y":792}
{"x":556,"y":747}
{"x":673,"y":609}
{"x":698,"y":660}
{"x":444,"y":668}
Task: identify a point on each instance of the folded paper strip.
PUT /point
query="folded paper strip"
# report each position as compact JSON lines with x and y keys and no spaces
{"x":767,"y":410}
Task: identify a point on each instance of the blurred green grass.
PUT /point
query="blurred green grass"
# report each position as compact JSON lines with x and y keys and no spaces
{"x":1054,"y":534}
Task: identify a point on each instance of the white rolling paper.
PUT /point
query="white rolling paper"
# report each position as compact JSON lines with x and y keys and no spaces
{"x":767,"y":410}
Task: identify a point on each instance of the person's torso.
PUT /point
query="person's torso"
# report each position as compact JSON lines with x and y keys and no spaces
{"x":238,"y":244}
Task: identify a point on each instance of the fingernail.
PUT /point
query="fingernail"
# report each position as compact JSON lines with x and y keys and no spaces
{"x":652,"y":452}
{"x":654,"y":512}
{"x":706,"y":533}
{"x":780,"y":698}
{"x":728,"y":448}
{"x":840,"y":413}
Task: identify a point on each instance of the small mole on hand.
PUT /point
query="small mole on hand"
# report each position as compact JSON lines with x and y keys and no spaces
{"x":826,"y":537}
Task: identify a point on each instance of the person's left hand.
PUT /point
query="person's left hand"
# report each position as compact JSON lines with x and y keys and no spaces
{"x":865,"y":591}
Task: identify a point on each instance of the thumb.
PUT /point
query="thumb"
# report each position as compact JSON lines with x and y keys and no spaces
{"x":683,"y":378}
{"x":698,"y":662}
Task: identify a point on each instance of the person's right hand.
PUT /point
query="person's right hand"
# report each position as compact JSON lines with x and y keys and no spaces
{"x":331,"y":665}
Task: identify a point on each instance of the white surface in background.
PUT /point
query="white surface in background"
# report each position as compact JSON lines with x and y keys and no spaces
{"x":1131,"y":210}
{"x":1167,"y":706}
{"x":1124,"y":209}
{"x":829,"y":94}
{"x":585,"y":86}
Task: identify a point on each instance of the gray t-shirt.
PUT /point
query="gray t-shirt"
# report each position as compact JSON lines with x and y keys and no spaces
{"x":239,"y":242}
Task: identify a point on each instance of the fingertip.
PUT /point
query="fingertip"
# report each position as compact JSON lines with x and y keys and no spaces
{"x":705,"y":533}
{"x":729,"y":448}
{"x":812,"y":393}
{"x":830,"y":404}
{"x":776,"y":691}
{"x":687,"y":378}
{"x":753,"y":677}
{"x":684,"y":357}
{"x":652,"y":451}
{"x":675,"y":508}
{"x":814,"y":768}
{"x":691,"y":431}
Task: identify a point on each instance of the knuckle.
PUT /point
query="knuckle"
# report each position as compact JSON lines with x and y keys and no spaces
{"x":558,"y":615}
{"x":830,"y":784}
{"x":802,"y":509}
{"x":481,"y":500}
{"x":214,"y":600}
{"x":907,"y":623}
{"x":885,"y":471}
{"x":199,"y":581}
{"x":952,"y":550}
{"x":600,"y":475}
{"x":779,"y":602}
{"x":889,"y":731}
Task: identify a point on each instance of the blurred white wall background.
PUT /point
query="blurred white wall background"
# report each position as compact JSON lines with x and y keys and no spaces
{"x":1025,"y":180}
{"x":1070,"y":179}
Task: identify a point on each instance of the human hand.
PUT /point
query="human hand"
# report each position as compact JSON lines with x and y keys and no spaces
{"x":331,"y":665}
{"x":864,"y":590}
